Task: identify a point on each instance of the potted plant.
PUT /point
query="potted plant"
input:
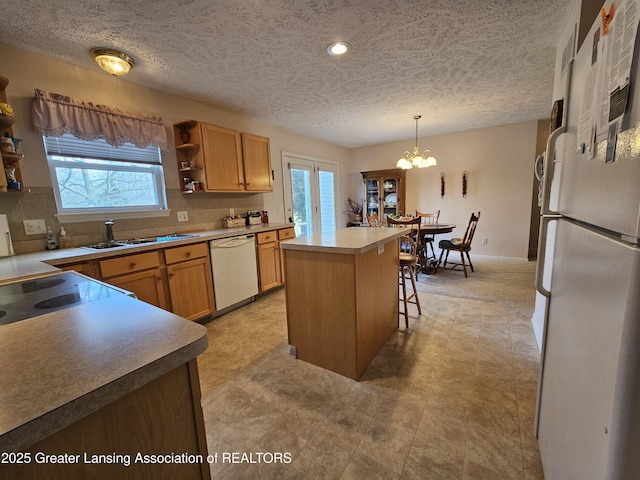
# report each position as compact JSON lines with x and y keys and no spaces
{"x":355,"y":208}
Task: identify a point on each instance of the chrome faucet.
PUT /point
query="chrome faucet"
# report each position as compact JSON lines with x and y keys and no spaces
{"x":109,"y":224}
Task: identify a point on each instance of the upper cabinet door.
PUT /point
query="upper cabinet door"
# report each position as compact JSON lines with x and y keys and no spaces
{"x":223,"y":159}
{"x":257,"y":163}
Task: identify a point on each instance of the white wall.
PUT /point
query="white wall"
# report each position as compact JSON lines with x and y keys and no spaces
{"x":500,"y":165}
{"x":499,"y":160}
{"x":27,"y":71}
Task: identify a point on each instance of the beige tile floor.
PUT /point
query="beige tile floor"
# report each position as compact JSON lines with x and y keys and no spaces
{"x":451,"y":398}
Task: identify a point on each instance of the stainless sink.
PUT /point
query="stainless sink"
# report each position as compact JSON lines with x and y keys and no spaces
{"x":138,"y":241}
{"x":173,"y":236}
{"x":102,"y":245}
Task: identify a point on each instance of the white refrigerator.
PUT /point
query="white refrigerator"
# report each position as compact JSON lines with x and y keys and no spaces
{"x":588,"y":412}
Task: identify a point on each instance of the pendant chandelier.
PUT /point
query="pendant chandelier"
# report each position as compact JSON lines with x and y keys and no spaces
{"x":415,"y":158}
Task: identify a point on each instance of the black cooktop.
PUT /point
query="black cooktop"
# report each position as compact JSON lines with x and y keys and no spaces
{"x":37,"y":296}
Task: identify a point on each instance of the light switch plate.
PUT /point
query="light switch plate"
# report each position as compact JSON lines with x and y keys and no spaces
{"x":183,"y":216}
{"x":380,"y":249}
{"x":34,"y":227}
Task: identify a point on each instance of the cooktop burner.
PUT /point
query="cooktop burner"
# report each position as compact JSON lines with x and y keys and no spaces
{"x":41,"y":284}
{"x":65,"y":300}
{"x":34,"y":297}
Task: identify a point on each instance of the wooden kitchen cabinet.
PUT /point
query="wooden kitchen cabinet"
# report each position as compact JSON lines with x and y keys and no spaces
{"x":138,"y":273}
{"x":85,"y":268}
{"x":161,"y":416}
{"x":269,"y":274}
{"x":256,"y":154}
{"x":223,"y":160}
{"x":384,"y":193}
{"x":284,"y":234}
{"x":190,"y":281}
{"x":270,"y":261}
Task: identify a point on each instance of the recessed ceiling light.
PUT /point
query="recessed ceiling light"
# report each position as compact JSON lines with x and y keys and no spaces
{"x":338,"y":48}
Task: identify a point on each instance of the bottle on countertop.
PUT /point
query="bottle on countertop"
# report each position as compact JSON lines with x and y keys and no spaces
{"x":64,"y":240}
{"x":51,"y":240}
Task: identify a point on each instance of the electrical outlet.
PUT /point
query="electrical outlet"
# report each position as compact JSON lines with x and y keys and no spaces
{"x":232,"y":212}
{"x":485,"y":241}
{"x":183,"y":216}
{"x":34,"y":227}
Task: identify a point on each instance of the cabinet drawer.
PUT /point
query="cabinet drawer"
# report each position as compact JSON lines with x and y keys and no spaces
{"x":128,"y":264}
{"x":266,"y":237}
{"x":188,"y":252}
{"x":286,"y":233}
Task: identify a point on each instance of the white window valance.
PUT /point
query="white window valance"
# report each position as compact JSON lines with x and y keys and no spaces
{"x":54,"y":115}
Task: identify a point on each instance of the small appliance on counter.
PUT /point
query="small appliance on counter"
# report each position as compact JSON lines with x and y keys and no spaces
{"x":6,"y":245}
{"x":254,"y":217}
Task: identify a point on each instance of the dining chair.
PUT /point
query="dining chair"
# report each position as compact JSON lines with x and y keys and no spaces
{"x":372,"y":220}
{"x":462,"y":245}
{"x":428,"y":238}
{"x":408,"y":260}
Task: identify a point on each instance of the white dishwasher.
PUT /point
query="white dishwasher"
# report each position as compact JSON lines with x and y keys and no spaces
{"x":235,"y":271}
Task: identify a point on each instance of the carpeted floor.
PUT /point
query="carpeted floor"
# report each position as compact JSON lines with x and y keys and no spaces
{"x":509,"y":282}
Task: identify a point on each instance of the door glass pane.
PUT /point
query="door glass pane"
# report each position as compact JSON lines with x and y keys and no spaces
{"x":390,"y":197}
{"x":301,"y":196}
{"x":372,"y":199}
{"x":327,"y":201}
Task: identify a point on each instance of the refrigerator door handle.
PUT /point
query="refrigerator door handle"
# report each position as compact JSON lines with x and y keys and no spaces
{"x":550,"y":168}
{"x":542,"y":253}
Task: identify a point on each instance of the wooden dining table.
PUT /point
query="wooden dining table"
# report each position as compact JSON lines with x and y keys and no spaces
{"x":427,"y":264}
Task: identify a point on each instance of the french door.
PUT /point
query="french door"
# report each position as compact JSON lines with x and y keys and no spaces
{"x":310,"y":193}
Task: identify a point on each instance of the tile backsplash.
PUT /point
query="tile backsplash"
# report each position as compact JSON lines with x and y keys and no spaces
{"x":205,"y":211}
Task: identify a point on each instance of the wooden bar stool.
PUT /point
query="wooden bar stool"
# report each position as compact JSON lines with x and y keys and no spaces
{"x":408,"y":266}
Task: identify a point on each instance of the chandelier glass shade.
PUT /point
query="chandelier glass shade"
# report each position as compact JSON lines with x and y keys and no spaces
{"x":112,"y":61}
{"x":416,"y":158}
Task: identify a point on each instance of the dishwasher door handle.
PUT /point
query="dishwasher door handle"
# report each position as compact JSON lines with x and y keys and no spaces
{"x":231,"y":242}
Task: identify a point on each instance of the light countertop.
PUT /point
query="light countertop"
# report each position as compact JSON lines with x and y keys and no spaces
{"x":35,"y":264}
{"x":350,"y":241}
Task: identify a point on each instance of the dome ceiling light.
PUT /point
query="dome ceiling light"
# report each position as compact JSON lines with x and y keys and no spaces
{"x":112,"y":61}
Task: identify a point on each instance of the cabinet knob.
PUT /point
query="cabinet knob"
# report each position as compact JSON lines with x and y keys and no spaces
{"x":132,"y":265}
{"x":188,"y":254}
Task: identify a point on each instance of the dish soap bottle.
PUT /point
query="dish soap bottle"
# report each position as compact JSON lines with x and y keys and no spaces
{"x":64,"y":240}
{"x":51,"y":240}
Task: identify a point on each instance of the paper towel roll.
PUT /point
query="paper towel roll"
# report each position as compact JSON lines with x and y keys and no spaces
{"x":6,"y":246}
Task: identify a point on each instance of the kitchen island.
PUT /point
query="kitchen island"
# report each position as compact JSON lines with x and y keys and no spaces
{"x":342,"y":296}
{"x":113,"y":377}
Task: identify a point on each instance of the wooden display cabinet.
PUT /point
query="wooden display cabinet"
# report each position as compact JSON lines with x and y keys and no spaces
{"x":384,"y":193}
{"x":9,"y":160}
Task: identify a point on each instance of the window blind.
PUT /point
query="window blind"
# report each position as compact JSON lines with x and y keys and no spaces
{"x":69,"y":146}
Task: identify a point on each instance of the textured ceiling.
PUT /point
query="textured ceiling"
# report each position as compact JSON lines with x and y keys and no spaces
{"x":462,"y":64}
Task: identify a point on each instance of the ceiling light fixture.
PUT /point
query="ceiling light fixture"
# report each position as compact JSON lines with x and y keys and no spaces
{"x":112,"y":61}
{"x":338,"y":48}
{"x":415,"y":158}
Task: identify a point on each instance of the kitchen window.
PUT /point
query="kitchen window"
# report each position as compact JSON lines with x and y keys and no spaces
{"x":92,"y":179}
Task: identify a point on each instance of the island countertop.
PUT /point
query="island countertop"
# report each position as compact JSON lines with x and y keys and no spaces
{"x":62,"y":366}
{"x":350,"y":241}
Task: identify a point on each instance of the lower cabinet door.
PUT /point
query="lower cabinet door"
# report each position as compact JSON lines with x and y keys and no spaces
{"x":269,"y":265}
{"x":146,"y":285}
{"x":191,"y":288}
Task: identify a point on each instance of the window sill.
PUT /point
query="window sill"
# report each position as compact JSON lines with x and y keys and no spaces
{"x":102,"y":216}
